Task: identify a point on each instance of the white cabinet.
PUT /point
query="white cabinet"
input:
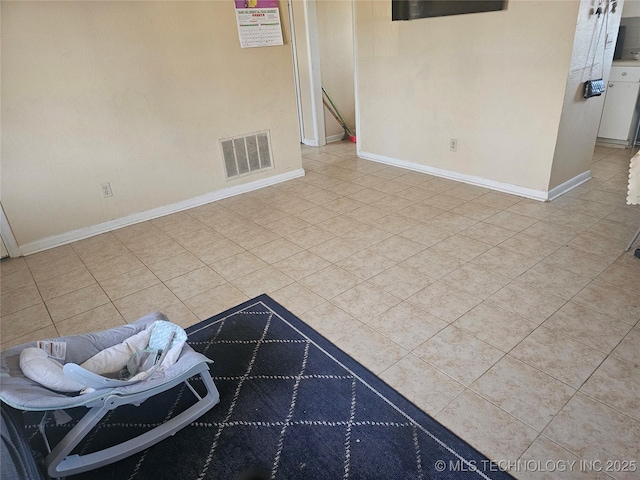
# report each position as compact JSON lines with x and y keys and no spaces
{"x":620,"y":114}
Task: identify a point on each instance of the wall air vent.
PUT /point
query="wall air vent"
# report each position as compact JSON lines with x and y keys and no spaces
{"x":246,"y":154}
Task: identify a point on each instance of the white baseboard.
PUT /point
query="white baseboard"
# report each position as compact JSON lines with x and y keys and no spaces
{"x":540,"y":195}
{"x":335,"y":138}
{"x":82,"y":233}
{"x":569,"y":185}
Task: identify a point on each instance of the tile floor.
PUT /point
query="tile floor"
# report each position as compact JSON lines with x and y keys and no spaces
{"x":513,"y":322}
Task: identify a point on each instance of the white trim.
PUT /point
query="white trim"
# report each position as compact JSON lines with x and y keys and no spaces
{"x":335,"y":138}
{"x":309,"y":142}
{"x":569,"y":185}
{"x":7,"y":236}
{"x":540,"y":195}
{"x":296,"y":72}
{"x":315,"y":77}
{"x":75,"y":235}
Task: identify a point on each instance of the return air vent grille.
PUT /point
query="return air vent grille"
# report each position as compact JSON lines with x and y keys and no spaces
{"x":247,"y":154}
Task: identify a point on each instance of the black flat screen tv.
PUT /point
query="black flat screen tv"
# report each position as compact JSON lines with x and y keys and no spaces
{"x":413,"y":9}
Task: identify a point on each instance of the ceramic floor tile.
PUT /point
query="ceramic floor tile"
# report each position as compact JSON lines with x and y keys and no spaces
{"x":526,"y":393}
{"x":175,"y":266}
{"x":558,"y":233}
{"x":15,"y":280}
{"x":629,"y":347}
{"x":425,"y":386}
{"x":55,"y":267}
{"x":19,"y":299}
{"x":533,"y":209}
{"x":477,"y":211}
{"x":397,"y":248}
{"x":395,"y":223}
{"x":214,"y":301}
{"x":498,"y":200}
{"x":128,"y":283}
{"x":611,"y":300}
{"x":368,"y":214}
{"x":458,"y":354}
{"x":179,"y":314}
{"x":301,"y":265}
{"x":407,"y":325}
{"x":116,"y":266}
{"x":367,"y":235}
{"x":255,"y":237}
{"x":185,"y":224}
{"x":16,"y":325}
{"x":577,"y":261}
{"x":297,"y":298}
{"x":476,"y":280}
{"x":54,"y":287}
{"x":366,"y":264}
{"x":554,"y":461}
{"x":491,"y":430}
{"x":336,"y":249}
{"x":48,"y":332}
{"x":310,"y":236}
{"x":421,"y":212}
{"x":100,"y":318}
{"x":616,"y":383}
{"x":238,"y":265}
{"x":433,"y":263}
{"x":495,"y":326}
{"x":276,"y":250}
{"x":330,"y":282}
{"x":605,"y":246}
{"x":510,"y":221}
{"x":194,"y":283}
{"x":217,"y":251}
{"x":152,"y":299}
{"x":530,"y":246}
{"x":504,"y":262}
{"x":46,"y":256}
{"x":371,"y":349}
{"x":444,"y":201}
{"x":330,"y":321}
{"x":559,"y":282}
{"x":561,"y":357}
{"x":595,"y":431}
{"x":587,"y":207}
{"x":486,"y":233}
{"x":196,"y":238}
{"x":315,"y":215}
{"x":265,"y":280}
{"x":444,"y":301}
{"x":461,"y":247}
{"x":401,"y":281}
{"x":143,"y":240}
{"x":588,"y":326}
{"x":527,"y":302}
{"x":452,"y":222}
{"x":76,"y":302}
{"x":339,"y":225}
{"x":365,"y":301}
{"x":90,"y":248}
{"x":158,"y":252}
{"x":624,"y":276}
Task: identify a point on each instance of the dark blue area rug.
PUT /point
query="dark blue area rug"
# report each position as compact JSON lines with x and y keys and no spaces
{"x":292,"y":406}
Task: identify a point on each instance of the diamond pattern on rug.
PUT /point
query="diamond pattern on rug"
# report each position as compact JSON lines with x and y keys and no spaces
{"x":292,"y":406}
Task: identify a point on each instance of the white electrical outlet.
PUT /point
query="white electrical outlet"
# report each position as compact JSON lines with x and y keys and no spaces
{"x":453,"y":145}
{"x":106,"y":189}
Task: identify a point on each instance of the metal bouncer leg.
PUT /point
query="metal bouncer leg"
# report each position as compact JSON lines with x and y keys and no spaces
{"x":60,"y":463}
{"x":633,"y":240}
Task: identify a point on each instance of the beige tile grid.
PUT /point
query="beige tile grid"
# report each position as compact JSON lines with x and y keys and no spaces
{"x":513,"y":322}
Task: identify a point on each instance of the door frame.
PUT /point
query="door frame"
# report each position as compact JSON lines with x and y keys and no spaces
{"x":7,"y":235}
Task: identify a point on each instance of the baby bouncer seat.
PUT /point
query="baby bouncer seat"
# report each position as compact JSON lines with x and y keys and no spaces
{"x":102,"y":371}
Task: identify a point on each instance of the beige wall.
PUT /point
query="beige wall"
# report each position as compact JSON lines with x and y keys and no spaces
{"x":581,"y":117}
{"x":335,"y":35}
{"x":494,"y":81}
{"x":136,"y":94}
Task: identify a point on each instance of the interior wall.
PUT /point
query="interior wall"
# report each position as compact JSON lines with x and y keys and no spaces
{"x":581,"y":117}
{"x":137,"y":94}
{"x":494,"y":81}
{"x":335,"y":35}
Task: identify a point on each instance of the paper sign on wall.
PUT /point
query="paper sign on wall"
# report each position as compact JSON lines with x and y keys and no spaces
{"x":258,"y":23}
